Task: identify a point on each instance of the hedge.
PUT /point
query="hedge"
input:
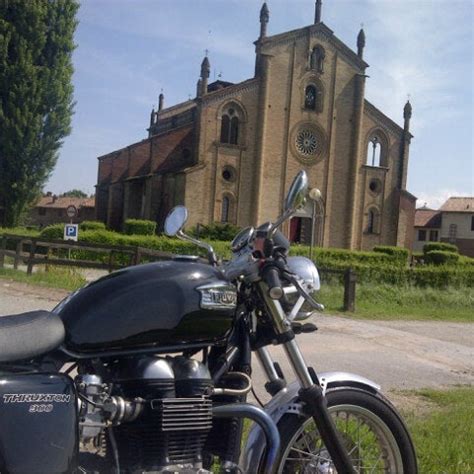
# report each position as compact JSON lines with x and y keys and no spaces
{"x":92,"y":225}
{"x":216,"y":231}
{"x":376,"y":267}
{"x":439,"y":246}
{"x":399,"y":253}
{"x":441,"y":257}
{"x":54,"y":231}
{"x":326,"y":257}
{"x":435,"y":276}
{"x":139,"y":227}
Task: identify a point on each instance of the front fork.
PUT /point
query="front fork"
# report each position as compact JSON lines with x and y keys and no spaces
{"x":311,"y":393}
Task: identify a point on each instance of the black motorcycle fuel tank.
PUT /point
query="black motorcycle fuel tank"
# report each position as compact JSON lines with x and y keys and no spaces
{"x":163,"y":303}
{"x":38,"y":427}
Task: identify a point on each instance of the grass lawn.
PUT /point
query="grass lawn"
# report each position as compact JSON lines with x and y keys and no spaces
{"x":443,"y":432}
{"x":54,"y":277}
{"x":372,"y":301}
{"x":403,"y":302}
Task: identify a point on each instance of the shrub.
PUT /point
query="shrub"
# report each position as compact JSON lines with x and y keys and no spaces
{"x":440,"y":246}
{"x":53,"y":232}
{"x":92,"y":225}
{"x":399,"y":253}
{"x":216,"y":231}
{"x":442,"y":257}
{"x":464,"y":260}
{"x":23,"y":231}
{"x":139,"y":227}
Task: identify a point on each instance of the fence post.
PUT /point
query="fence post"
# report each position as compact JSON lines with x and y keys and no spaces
{"x":350,"y":280}
{"x":18,"y":249}
{"x":29,"y":269}
{"x":111,"y":261}
{"x":137,"y":257}
{"x":2,"y":251}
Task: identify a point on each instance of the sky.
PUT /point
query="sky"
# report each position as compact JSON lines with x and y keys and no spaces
{"x":128,"y":51}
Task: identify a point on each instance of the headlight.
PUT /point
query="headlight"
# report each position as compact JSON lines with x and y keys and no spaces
{"x":307,"y":271}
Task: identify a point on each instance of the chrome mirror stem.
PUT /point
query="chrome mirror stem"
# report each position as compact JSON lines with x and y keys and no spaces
{"x":210,"y":250}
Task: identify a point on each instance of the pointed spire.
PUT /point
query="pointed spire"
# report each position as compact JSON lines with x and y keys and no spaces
{"x":161,"y":101}
{"x":360,"y":43}
{"x":317,"y":11}
{"x":205,"y":72}
{"x":407,"y":110}
{"x":199,"y":88}
{"x":264,"y":18}
{"x":152,"y":117}
{"x":205,"y":67}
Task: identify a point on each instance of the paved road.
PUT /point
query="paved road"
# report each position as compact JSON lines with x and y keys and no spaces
{"x":396,"y":354}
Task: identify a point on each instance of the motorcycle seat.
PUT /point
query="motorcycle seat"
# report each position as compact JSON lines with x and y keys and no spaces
{"x":27,"y":335}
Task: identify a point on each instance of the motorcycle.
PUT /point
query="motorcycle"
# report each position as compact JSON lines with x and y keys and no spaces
{"x":149,"y":370}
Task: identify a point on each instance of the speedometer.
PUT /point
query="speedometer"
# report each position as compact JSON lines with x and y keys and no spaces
{"x":242,"y":239}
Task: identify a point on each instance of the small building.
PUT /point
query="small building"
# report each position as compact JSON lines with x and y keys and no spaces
{"x":51,"y":209}
{"x":452,"y":223}
{"x":427,"y":227}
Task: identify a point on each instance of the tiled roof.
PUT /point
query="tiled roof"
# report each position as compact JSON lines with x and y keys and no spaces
{"x":427,"y":218}
{"x":458,"y":204}
{"x":64,"y":202}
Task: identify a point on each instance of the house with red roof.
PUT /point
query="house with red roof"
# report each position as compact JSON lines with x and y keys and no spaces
{"x":453,"y":223}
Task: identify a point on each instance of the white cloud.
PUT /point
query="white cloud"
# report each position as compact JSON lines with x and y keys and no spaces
{"x":435,"y":201}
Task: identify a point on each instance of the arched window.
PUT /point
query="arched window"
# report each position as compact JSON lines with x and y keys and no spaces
{"x":317,"y":58}
{"x":225,"y":209}
{"x":373,"y":221}
{"x":225,"y":129}
{"x":374,"y":152}
{"x":230,"y":127}
{"x":234,"y":131}
{"x":310,"y":95}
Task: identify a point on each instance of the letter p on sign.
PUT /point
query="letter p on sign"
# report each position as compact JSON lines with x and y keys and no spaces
{"x":71,"y":232}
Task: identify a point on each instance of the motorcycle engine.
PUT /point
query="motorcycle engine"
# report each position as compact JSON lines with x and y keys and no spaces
{"x":153,"y":415}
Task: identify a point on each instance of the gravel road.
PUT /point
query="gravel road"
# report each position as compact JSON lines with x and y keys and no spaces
{"x":395,"y":354}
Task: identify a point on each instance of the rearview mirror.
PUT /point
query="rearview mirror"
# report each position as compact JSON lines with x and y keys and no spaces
{"x":175,"y":220}
{"x":296,"y":196}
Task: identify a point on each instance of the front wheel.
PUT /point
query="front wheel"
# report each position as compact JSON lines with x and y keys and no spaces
{"x":373,"y":432}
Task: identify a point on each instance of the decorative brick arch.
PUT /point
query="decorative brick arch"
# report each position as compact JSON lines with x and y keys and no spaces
{"x":308,"y":81}
{"x":379,"y":136}
{"x":228,"y":208}
{"x":372,"y":219}
{"x":231,"y":117}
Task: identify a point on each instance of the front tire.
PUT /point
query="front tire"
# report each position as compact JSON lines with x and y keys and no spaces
{"x":372,"y":430}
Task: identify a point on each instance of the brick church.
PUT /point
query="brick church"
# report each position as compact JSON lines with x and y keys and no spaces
{"x":230,"y":153}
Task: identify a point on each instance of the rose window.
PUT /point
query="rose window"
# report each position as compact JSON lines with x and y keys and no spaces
{"x":306,"y":143}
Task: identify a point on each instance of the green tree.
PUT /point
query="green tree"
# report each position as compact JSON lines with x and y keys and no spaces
{"x":36,"y":96}
{"x":75,"y":193}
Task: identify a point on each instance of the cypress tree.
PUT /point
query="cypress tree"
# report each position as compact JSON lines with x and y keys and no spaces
{"x":36,"y":96}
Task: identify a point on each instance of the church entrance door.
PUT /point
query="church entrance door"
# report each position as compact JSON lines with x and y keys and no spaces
{"x":300,"y":230}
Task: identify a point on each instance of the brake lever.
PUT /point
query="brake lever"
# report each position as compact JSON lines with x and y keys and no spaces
{"x":292,"y":278}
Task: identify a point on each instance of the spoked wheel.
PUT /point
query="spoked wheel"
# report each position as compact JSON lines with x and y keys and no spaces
{"x":374,"y":435}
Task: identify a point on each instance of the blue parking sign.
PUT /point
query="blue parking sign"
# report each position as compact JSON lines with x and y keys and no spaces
{"x":71,"y":231}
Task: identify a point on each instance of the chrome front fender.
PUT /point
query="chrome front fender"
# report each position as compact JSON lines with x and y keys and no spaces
{"x":286,"y":401}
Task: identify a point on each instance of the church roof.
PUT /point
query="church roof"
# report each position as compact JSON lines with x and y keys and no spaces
{"x":320,"y":29}
{"x":371,"y":109}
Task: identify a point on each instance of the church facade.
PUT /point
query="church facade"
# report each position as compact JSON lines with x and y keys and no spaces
{"x":230,"y":154}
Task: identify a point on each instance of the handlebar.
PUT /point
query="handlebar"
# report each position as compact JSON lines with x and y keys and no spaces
{"x":271,"y":276}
